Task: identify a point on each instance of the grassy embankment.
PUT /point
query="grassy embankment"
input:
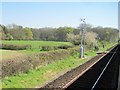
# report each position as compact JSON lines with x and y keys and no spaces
{"x":46,"y":73}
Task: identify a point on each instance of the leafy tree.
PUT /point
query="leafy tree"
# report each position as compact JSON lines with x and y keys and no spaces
{"x":28,"y":32}
{"x":17,"y":32}
{"x":68,"y":29}
{"x":4,"y":33}
{"x":61,"y":33}
{"x":75,"y":39}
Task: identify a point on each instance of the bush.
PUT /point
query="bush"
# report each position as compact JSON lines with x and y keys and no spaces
{"x":73,"y":51}
{"x":12,"y":67}
{"x":15,"y":47}
{"x":64,"y":46}
{"x":46,"y":48}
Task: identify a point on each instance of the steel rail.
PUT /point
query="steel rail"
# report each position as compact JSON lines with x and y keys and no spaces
{"x":93,"y":87}
{"x":73,"y":80}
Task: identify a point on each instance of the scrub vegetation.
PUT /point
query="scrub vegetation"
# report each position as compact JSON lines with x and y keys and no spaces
{"x":41,"y":55}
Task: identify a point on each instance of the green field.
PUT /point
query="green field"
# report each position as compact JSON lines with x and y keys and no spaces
{"x":36,"y":44}
{"x":6,"y":54}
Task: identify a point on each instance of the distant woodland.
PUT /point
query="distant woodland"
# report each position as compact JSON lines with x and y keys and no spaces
{"x":17,"y":32}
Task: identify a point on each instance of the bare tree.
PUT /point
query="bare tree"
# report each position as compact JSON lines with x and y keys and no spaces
{"x":91,"y":39}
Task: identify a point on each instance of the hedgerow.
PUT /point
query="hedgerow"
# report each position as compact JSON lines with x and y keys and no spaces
{"x":65,"y":46}
{"x":25,"y":63}
{"x":15,"y":47}
{"x":48,"y":48}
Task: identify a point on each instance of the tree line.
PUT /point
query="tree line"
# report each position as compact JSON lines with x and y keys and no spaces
{"x":17,"y":32}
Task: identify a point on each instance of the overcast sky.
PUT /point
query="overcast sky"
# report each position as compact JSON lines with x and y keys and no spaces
{"x":56,"y":14}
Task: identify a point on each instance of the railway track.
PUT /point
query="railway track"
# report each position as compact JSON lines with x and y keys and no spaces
{"x":100,"y":72}
{"x":104,"y":74}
